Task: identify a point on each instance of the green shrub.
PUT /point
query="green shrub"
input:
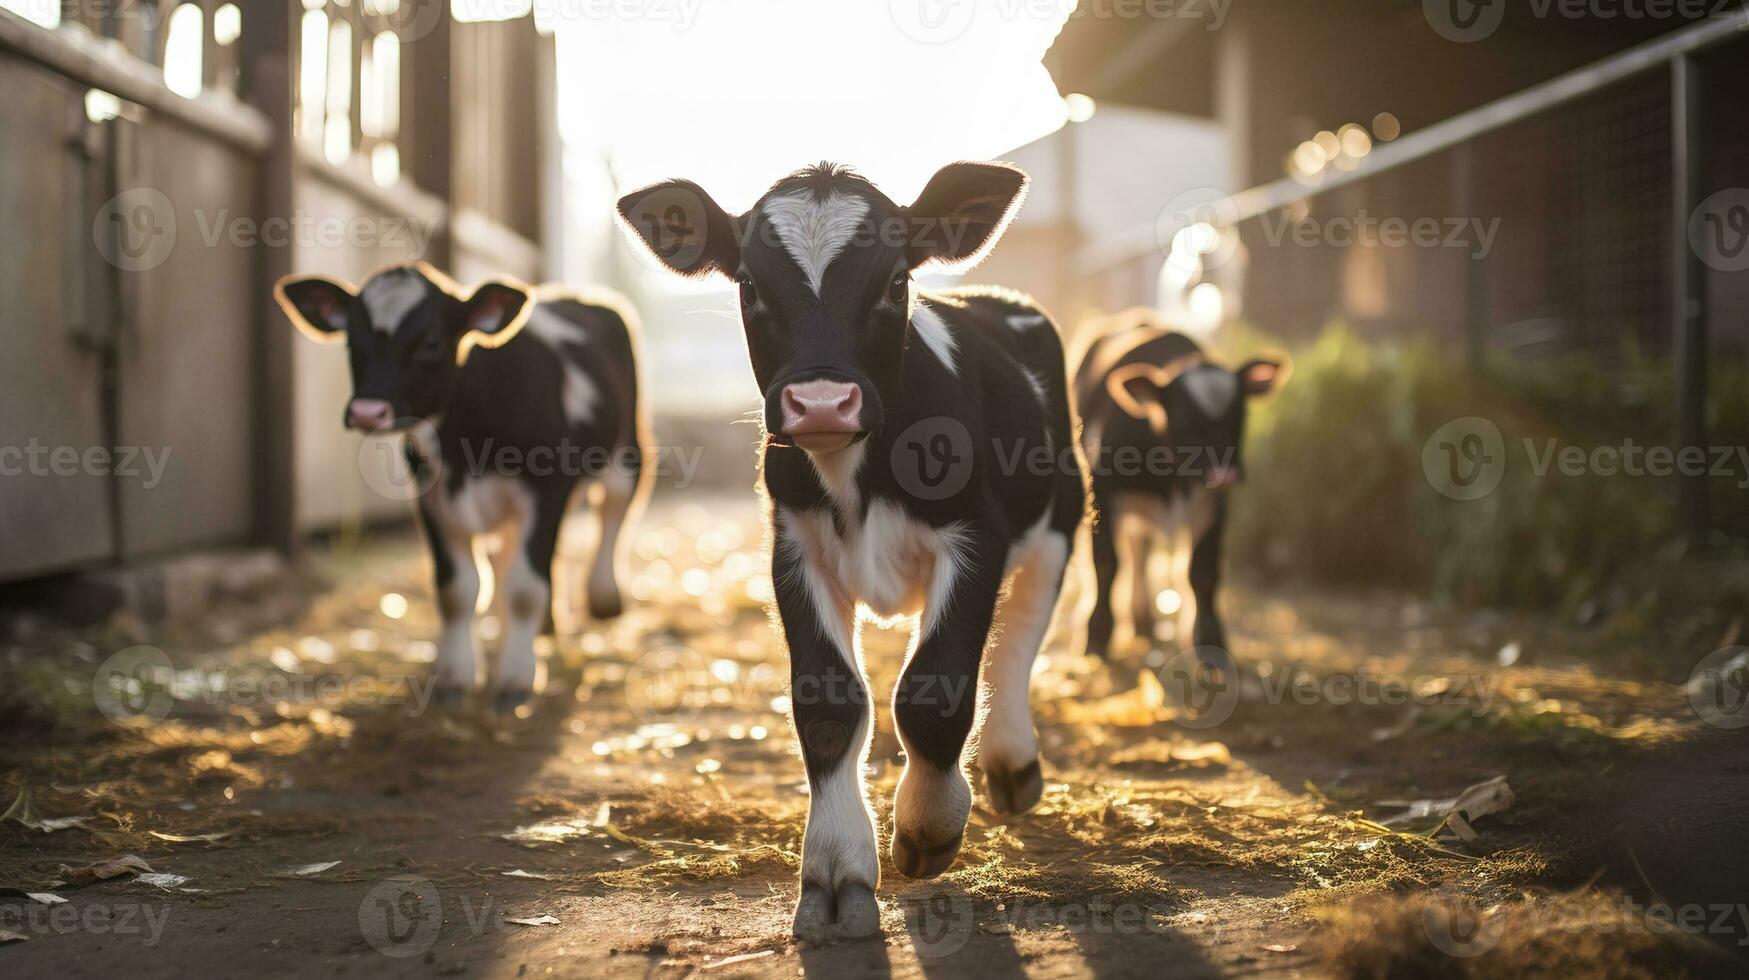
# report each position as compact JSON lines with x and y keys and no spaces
{"x":1336,"y":490}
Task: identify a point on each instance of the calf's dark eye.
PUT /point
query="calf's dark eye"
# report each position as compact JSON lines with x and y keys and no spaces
{"x":749,"y":295}
{"x":899,"y":289}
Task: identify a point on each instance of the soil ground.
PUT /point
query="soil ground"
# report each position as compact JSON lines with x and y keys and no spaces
{"x":647,"y":813}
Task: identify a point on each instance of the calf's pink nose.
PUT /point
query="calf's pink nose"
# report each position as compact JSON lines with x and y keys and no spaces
{"x":369,"y":414}
{"x":822,"y":416}
{"x":1223,"y":477}
{"x":822,"y":406}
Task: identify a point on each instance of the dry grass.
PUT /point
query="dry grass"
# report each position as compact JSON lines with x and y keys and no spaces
{"x":1582,"y":934}
{"x":688,"y":807}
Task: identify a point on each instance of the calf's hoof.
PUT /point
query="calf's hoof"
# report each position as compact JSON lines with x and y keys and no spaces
{"x":1014,"y":791}
{"x":506,"y":700}
{"x":915,"y":859}
{"x":859,"y":915}
{"x":822,"y":916}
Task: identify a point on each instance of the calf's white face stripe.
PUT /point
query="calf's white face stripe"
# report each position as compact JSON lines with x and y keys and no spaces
{"x":1212,"y":388}
{"x":933,"y":331}
{"x":815,"y":231}
{"x":388,"y":298}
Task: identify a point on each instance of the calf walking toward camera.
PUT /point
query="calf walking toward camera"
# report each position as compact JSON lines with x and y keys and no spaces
{"x":1163,"y":431}
{"x":919,"y":456}
{"x":509,"y":403}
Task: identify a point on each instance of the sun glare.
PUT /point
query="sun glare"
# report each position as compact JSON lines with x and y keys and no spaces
{"x":735,"y":96}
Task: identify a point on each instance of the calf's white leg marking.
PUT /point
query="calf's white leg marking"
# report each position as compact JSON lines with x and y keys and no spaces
{"x":483,"y":505}
{"x":526,"y":597}
{"x":931,"y":806}
{"x":1007,"y":741}
{"x":618,"y":493}
{"x":1140,"y":521}
{"x":839,"y":843}
{"x":458,"y":663}
{"x":1191,"y":517}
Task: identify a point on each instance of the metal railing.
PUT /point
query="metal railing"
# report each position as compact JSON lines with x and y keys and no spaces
{"x":1676,"y":53}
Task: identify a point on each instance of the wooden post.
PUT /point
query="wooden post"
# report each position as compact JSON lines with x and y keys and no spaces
{"x":266,"y":82}
{"x":427,"y":136}
{"x":1688,"y":281}
{"x":1465,"y":179}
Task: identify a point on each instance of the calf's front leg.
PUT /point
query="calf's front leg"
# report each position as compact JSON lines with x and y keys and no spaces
{"x":1205,"y":577}
{"x":935,"y":704}
{"x":1101,"y":621}
{"x":1007,"y":744}
{"x":619,"y":494}
{"x":458,"y":668}
{"x":527,"y":591}
{"x":829,"y":698}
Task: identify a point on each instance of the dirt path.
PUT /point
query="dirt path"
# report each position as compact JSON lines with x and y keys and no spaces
{"x":652,"y":804}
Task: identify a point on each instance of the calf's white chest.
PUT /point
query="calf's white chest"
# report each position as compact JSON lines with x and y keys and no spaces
{"x":481,"y":504}
{"x":887,"y":561}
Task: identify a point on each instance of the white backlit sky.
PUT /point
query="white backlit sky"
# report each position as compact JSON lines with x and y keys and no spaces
{"x":736,"y":93}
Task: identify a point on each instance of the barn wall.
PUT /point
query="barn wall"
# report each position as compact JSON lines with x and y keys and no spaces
{"x":51,"y":521}
{"x":136,"y":312}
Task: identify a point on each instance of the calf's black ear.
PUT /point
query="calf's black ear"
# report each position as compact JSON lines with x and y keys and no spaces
{"x":683,"y":228}
{"x":318,"y":307}
{"x":962,"y":211}
{"x":494,"y":314}
{"x":1264,"y":375}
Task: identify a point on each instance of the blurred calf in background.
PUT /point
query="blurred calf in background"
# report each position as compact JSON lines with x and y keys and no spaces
{"x":498,"y":438}
{"x":1163,"y":430}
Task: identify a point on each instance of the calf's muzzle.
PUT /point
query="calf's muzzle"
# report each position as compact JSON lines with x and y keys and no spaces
{"x":369,"y":414}
{"x":822,"y":416}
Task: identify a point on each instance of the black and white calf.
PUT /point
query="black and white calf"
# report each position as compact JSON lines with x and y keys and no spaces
{"x":509,"y":402}
{"x":919,"y":456}
{"x":1163,"y":433}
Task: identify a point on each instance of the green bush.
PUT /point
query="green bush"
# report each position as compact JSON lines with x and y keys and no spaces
{"x":1336,"y":489}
